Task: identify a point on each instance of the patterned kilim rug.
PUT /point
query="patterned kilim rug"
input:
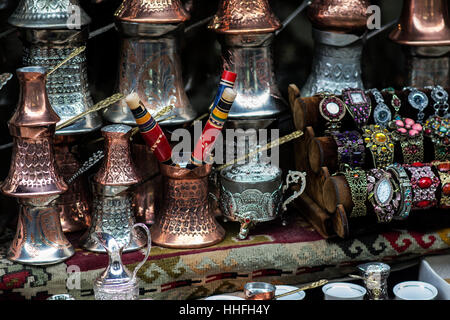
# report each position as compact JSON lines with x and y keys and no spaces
{"x":280,"y":255}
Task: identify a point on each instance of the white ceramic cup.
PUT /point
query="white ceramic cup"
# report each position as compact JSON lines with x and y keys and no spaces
{"x":415,"y":290}
{"x":343,"y":291}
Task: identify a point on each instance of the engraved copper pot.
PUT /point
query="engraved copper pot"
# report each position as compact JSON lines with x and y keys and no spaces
{"x":49,"y":37}
{"x":74,"y":204}
{"x":34,"y":177}
{"x":149,"y":60}
{"x":185,"y":220}
{"x":336,"y":64}
{"x":349,"y":16}
{"x":112,"y":205}
{"x":423,"y":23}
{"x":246,"y":31}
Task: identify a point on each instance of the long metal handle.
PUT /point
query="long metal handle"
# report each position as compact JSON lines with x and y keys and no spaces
{"x":309,"y":286}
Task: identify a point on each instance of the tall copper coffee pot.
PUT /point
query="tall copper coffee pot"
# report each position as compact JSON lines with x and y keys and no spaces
{"x":424,"y":32}
{"x":337,"y":58}
{"x":246,"y":30}
{"x":113,"y":211}
{"x":34,"y":177}
{"x":149,"y":59}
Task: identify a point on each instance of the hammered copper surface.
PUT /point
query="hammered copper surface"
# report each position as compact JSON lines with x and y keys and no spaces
{"x":33,"y":171}
{"x":185,"y":220}
{"x":423,"y":23}
{"x":73,"y":205}
{"x":244,"y":16}
{"x":152,"y":11}
{"x":339,"y":16}
{"x":117,"y":168}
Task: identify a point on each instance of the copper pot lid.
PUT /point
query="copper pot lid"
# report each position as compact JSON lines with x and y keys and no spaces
{"x":244,"y":16}
{"x":339,"y":16}
{"x":423,"y":23}
{"x":152,"y":11}
{"x":48,"y":14}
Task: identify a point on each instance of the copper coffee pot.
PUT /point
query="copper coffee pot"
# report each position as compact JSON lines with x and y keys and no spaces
{"x":424,"y":31}
{"x":149,"y":60}
{"x":34,"y":177}
{"x":246,"y":29}
{"x":185,"y":220}
{"x":112,"y":205}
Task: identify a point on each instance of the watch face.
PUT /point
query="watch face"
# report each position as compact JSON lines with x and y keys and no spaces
{"x":382,"y":115}
{"x":356,"y":96}
{"x":332,"y":108}
{"x":383,"y":192}
{"x":439,"y":94}
{"x":418,"y":100}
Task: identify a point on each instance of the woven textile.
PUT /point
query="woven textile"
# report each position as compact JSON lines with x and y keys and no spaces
{"x":272,"y":253}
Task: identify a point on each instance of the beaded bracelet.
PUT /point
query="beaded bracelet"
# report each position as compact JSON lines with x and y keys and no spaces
{"x":438,"y":130}
{"x":383,"y":194}
{"x":405,"y":190}
{"x":424,"y":184}
{"x":358,"y":105}
{"x":351,"y":150}
{"x":357,"y":182}
{"x":443,"y":169}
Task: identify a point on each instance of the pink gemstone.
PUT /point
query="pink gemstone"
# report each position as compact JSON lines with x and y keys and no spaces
{"x":413,"y":132}
{"x":399,"y":123}
{"x":417,"y":126}
{"x":409,"y":121}
{"x":401,"y":130}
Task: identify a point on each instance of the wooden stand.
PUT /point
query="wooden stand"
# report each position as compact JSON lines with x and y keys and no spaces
{"x":327,"y":199}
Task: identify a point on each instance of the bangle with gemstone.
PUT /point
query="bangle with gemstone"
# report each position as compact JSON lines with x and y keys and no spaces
{"x":378,"y":141}
{"x":383,"y":194}
{"x":396,"y":103}
{"x":440,"y":98}
{"x":404,"y":183}
{"x":381,"y":114}
{"x":351,"y":150}
{"x":443,"y":169}
{"x":408,"y":134}
{"x":418,"y":100}
{"x":332,"y":109}
{"x":357,"y":182}
{"x":438,"y":130}
{"x":424,"y":184}
{"x":358,"y":105}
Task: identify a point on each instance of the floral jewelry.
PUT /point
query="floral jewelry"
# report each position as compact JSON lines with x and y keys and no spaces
{"x":408,"y":134}
{"x":381,"y":114}
{"x":396,"y":103}
{"x":383,"y":194}
{"x":378,"y":141}
{"x":438,"y":130}
{"x":351,"y":150}
{"x":424,"y":184}
{"x":418,"y":100}
{"x":358,"y":105}
{"x":332,"y":109}
{"x":405,"y":190}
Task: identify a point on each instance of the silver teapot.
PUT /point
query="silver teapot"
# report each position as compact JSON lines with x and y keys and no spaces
{"x":253,"y":193}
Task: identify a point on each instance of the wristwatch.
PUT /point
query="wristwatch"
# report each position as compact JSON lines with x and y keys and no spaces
{"x":404,"y":183}
{"x":381,"y":114}
{"x":351,"y":150}
{"x":424,"y":184}
{"x":396,"y":103}
{"x":358,"y":105}
{"x":332,"y":109}
{"x":440,"y":98}
{"x":383,"y":194}
{"x":418,"y":100}
{"x":409,"y":135}
{"x":378,"y":141}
